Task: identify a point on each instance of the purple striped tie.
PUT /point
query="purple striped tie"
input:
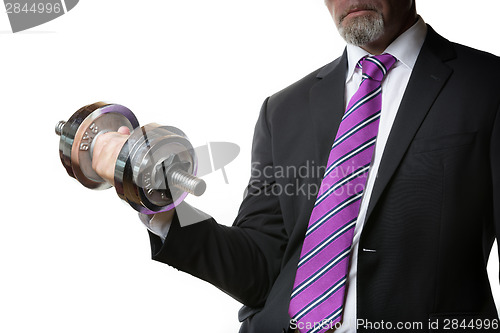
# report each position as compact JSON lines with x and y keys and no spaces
{"x":318,"y":294}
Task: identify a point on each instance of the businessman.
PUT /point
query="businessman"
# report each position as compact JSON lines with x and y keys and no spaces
{"x":374,"y":198}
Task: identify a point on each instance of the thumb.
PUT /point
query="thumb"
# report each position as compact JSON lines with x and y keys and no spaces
{"x":124,"y":130}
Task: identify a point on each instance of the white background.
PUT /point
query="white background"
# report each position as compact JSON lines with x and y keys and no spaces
{"x":76,"y":260}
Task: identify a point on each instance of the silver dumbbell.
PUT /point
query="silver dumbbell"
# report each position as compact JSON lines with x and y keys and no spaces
{"x":155,"y":169}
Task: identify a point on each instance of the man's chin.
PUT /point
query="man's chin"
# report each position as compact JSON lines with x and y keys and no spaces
{"x":361,"y":29}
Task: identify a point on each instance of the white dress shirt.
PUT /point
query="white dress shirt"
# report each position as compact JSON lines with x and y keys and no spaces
{"x":406,"y":49}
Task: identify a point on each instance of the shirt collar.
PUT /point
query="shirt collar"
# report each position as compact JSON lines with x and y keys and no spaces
{"x":405,"y":48}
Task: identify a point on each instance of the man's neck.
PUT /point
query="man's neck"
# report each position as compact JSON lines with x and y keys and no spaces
{"x":379,"y":46}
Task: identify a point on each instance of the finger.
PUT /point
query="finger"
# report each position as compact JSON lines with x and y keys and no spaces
{"x":124,"y":130}
{"x":96,"y":153}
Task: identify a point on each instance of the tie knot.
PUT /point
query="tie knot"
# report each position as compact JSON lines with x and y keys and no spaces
{"x":376,"y":67}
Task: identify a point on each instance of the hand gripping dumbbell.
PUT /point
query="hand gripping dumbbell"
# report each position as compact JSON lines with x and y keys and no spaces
{"x":155,"y":168}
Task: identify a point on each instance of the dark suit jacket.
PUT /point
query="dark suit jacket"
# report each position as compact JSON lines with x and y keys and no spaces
{"x":432,"y":219}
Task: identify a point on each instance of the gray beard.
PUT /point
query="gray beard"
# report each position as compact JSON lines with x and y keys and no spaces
{"x":362,"y":30}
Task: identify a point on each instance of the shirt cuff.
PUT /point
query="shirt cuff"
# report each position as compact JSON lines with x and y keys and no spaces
{"x":158,"y":224}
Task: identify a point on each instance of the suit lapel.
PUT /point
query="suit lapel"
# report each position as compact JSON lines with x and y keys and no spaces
{"x":327,"y":106}
{"x":427,"y":80}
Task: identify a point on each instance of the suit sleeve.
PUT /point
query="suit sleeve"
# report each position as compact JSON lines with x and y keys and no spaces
{"x":243,"y":260}
{"x":495,"y":167}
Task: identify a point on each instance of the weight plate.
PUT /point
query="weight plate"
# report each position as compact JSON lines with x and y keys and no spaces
{"x":79,"y":132}
{"x":140,"y":169}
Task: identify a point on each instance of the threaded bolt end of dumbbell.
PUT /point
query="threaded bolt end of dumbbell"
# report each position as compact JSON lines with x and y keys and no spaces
{"x":59,"y":127}
{"x":187,"y":182}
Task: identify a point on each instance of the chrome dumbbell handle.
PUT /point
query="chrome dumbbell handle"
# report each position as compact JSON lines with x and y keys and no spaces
{"x":59,"y":127}
{"x":187,"y":182}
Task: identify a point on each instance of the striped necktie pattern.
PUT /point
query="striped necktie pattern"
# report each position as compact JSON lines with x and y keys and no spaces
{"x":318,"y":294}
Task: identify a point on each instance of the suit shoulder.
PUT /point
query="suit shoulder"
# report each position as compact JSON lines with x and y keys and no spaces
{"x":298,"y":91}
{"x":476,"y":58}
{"x":449,"y":50}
